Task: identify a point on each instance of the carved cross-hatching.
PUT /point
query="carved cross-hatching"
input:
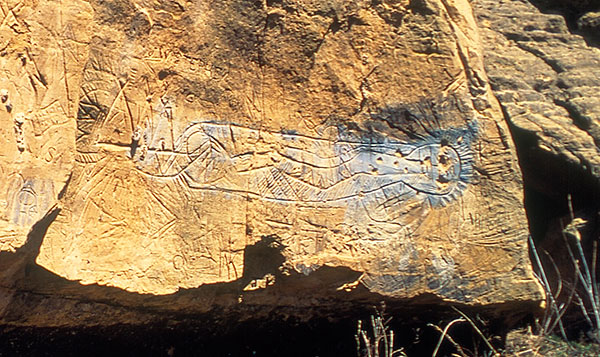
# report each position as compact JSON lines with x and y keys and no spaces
{"x":289,"y":167}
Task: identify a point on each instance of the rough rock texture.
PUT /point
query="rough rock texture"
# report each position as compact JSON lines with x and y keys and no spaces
{"x":589,"y":22}
{"x":278,"y":153}
{"x":41,"y":69}
{"x":547,"y":81}
{"x":542,"y":58}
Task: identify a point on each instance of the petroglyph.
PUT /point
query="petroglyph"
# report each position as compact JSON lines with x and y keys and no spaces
{"x":328,"y":153}
{"x":48,"y":117}
{"x":28,"y":200}
{"x":295,"y":168}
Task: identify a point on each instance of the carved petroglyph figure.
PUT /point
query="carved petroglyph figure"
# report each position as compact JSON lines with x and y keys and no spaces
{"x":377,"y":172}
{"x":26,"y":206}
{"x":195,"y":195}
{"x":29,"y":199}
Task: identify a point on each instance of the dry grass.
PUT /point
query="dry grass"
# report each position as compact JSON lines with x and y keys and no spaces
{"x":582,"y":292}
{"x":377,"y":341}
{"x":524,"y":343}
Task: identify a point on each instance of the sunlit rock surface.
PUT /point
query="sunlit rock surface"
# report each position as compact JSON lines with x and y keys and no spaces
{"x":163,"y":144}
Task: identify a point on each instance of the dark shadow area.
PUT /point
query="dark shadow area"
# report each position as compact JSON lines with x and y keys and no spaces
{"x":556,"y":190}
{"x":301,"y":315}
{"x":267,"y":337}
{"x":548,"y":181}
{"x":12,"y":264}
{"x":573,"y":11}
{"x":560,"y":269}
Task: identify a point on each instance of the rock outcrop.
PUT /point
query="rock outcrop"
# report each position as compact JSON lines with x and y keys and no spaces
{"x":41,"y":58}
{"x":276,"y":153}
{"x":546,"y":79}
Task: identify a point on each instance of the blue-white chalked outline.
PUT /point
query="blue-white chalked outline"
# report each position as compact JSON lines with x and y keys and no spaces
{"x":211,"y":156}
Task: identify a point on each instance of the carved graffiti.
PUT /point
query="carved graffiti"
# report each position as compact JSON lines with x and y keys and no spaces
{"x":47,"y":117}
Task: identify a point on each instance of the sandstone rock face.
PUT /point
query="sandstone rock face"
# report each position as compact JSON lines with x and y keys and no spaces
{"x":38,"y":93}
{"x":352,"y":135}
{"x":542,"y":59}
{"x":547,"y":82}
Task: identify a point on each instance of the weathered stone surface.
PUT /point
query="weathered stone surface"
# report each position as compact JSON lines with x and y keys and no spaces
{"x":589,"y":21}
{"x":542,"y":58}
{"x":40,"y":56}
{"x":589,"y":24}
{"x":356,"y":135}
{"x":547,"y":82}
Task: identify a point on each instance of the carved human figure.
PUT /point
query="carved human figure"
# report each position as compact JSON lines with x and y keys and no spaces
{"x":295,"y":168}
